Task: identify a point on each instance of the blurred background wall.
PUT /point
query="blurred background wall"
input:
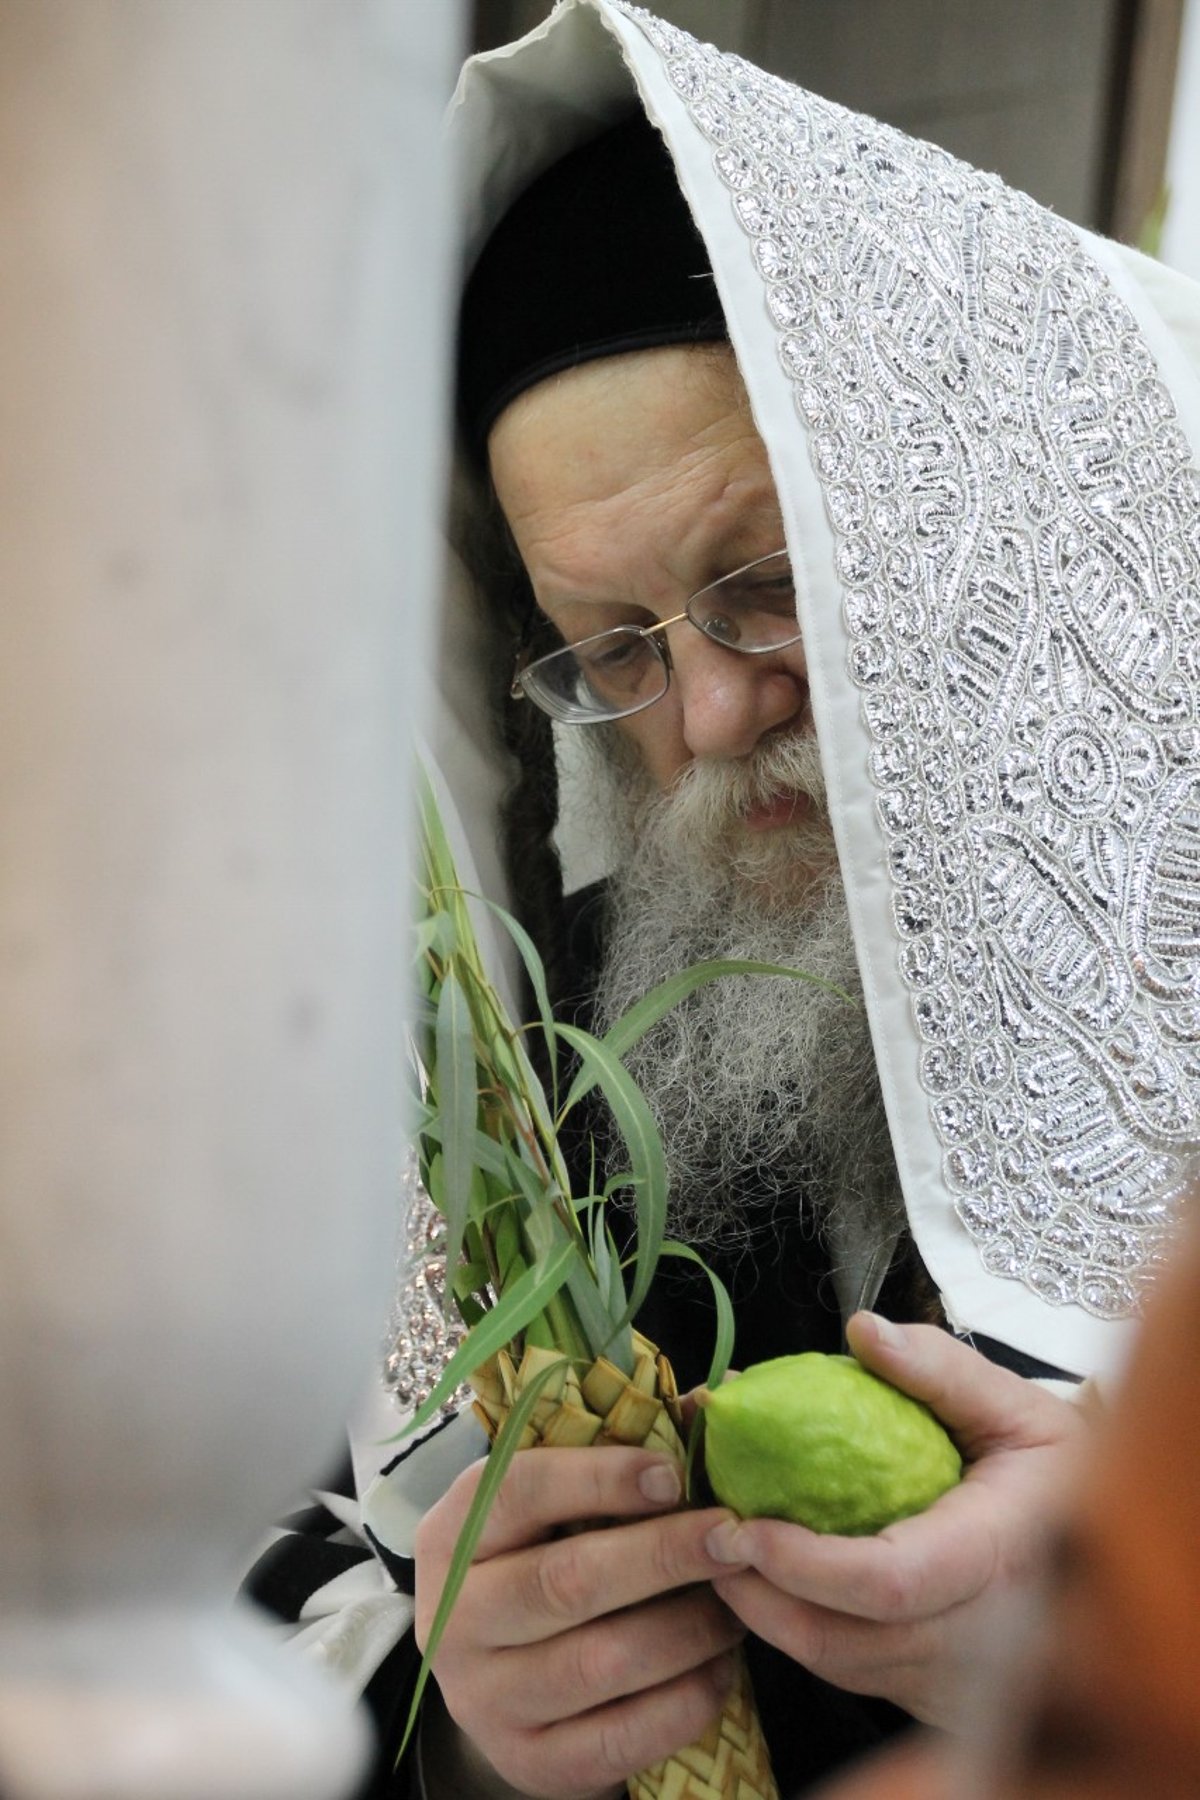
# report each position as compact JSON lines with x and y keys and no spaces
{"x":1070,"y":100}
{"x":1181,"y":232}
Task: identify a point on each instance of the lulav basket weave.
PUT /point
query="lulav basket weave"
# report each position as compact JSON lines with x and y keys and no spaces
{"x":730,"y":1761}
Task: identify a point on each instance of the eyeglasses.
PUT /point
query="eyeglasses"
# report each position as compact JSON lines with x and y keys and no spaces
{"x":623,"y":671}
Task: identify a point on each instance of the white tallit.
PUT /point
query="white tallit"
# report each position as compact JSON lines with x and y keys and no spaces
{"x":983,"y":424}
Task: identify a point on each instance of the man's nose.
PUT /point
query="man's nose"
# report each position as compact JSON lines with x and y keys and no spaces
{"x":729,"y":701}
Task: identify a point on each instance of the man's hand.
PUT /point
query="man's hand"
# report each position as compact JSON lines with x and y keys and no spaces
{"x":571,"y":1661}
{"x":905,"y":1614}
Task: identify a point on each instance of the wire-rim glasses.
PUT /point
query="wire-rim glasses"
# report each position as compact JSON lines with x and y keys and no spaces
{"x":623,"y":670}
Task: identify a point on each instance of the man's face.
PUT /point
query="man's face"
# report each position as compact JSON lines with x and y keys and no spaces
{"x":628,"y":485}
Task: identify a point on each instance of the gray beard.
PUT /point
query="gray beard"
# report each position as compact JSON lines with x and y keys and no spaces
{"x":763,"y":1089}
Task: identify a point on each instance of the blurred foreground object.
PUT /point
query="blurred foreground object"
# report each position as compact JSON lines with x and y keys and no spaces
{"x":221,"y":333}
{"x":1111,"y":1701}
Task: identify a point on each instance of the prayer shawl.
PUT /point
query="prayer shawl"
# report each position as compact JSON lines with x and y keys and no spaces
{"x":983,"y":425}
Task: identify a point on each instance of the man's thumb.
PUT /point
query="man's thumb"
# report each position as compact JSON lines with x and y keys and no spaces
{"x":984,"y":1407}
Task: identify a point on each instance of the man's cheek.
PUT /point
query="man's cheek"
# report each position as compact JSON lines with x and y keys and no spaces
{"x":655,"y":740}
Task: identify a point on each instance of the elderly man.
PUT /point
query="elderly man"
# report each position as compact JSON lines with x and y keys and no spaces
{"x":852,"y":448}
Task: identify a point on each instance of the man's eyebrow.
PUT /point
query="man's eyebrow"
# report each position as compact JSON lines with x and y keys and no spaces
{"x":559,"y":602}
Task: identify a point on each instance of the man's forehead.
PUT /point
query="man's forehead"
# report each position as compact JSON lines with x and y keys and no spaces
{"x":664,"y":432}
{"x":640,"y":390}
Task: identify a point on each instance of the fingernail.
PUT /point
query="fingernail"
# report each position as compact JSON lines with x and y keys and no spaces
{"x":890,"y":1336}
{"x":660,"y":1483}
{"x":724,"y":1544}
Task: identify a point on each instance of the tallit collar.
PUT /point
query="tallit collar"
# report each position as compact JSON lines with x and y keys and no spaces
{"x":983,"y":425}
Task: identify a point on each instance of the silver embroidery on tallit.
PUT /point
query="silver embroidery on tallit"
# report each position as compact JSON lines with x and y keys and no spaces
{"x":1017,"y":520}
{"x":420,"y":1339}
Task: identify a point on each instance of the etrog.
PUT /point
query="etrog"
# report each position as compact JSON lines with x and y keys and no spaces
{"x":821,"y":1441}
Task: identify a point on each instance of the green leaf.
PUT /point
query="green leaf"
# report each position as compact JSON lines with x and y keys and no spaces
{"x":508,"y":1248}
{"x":469,"y":1278}
{"x":518,"y":1074}
{"x":606,"y":1333}
{"x":511,"y":1313}
{"x":647,"y":1164}
{"x":633,"y":1025}
{"x":431,"y":1178}
{"x":458,"y":1099}
{"x":694,"y":1443}
{"x":437,"y":932}
{"x":528,"y":1182}
{"x":534,"y":968}
{"x":436,"y":845}
{"x":486,"y":1153}
{"x":502,"y":1453}
{"x":723,"y":1347}
{"x":421,"y":1117}
{"x":607,"y":1265}
{"x":597,"y":1245}
{"x":722,"y":1351}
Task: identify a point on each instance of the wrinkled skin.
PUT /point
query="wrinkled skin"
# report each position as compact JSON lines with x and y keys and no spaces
{"x":572,"y":1661}
{"x":628,"y":485}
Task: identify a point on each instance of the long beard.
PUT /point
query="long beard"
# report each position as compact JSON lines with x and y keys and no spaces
{"x":763,"y":1088}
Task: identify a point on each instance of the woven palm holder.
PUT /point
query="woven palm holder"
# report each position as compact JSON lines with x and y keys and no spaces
{"x":730,"y":1761}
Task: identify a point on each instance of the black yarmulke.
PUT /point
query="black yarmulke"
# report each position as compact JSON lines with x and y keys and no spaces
{"x":597,"y":256}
